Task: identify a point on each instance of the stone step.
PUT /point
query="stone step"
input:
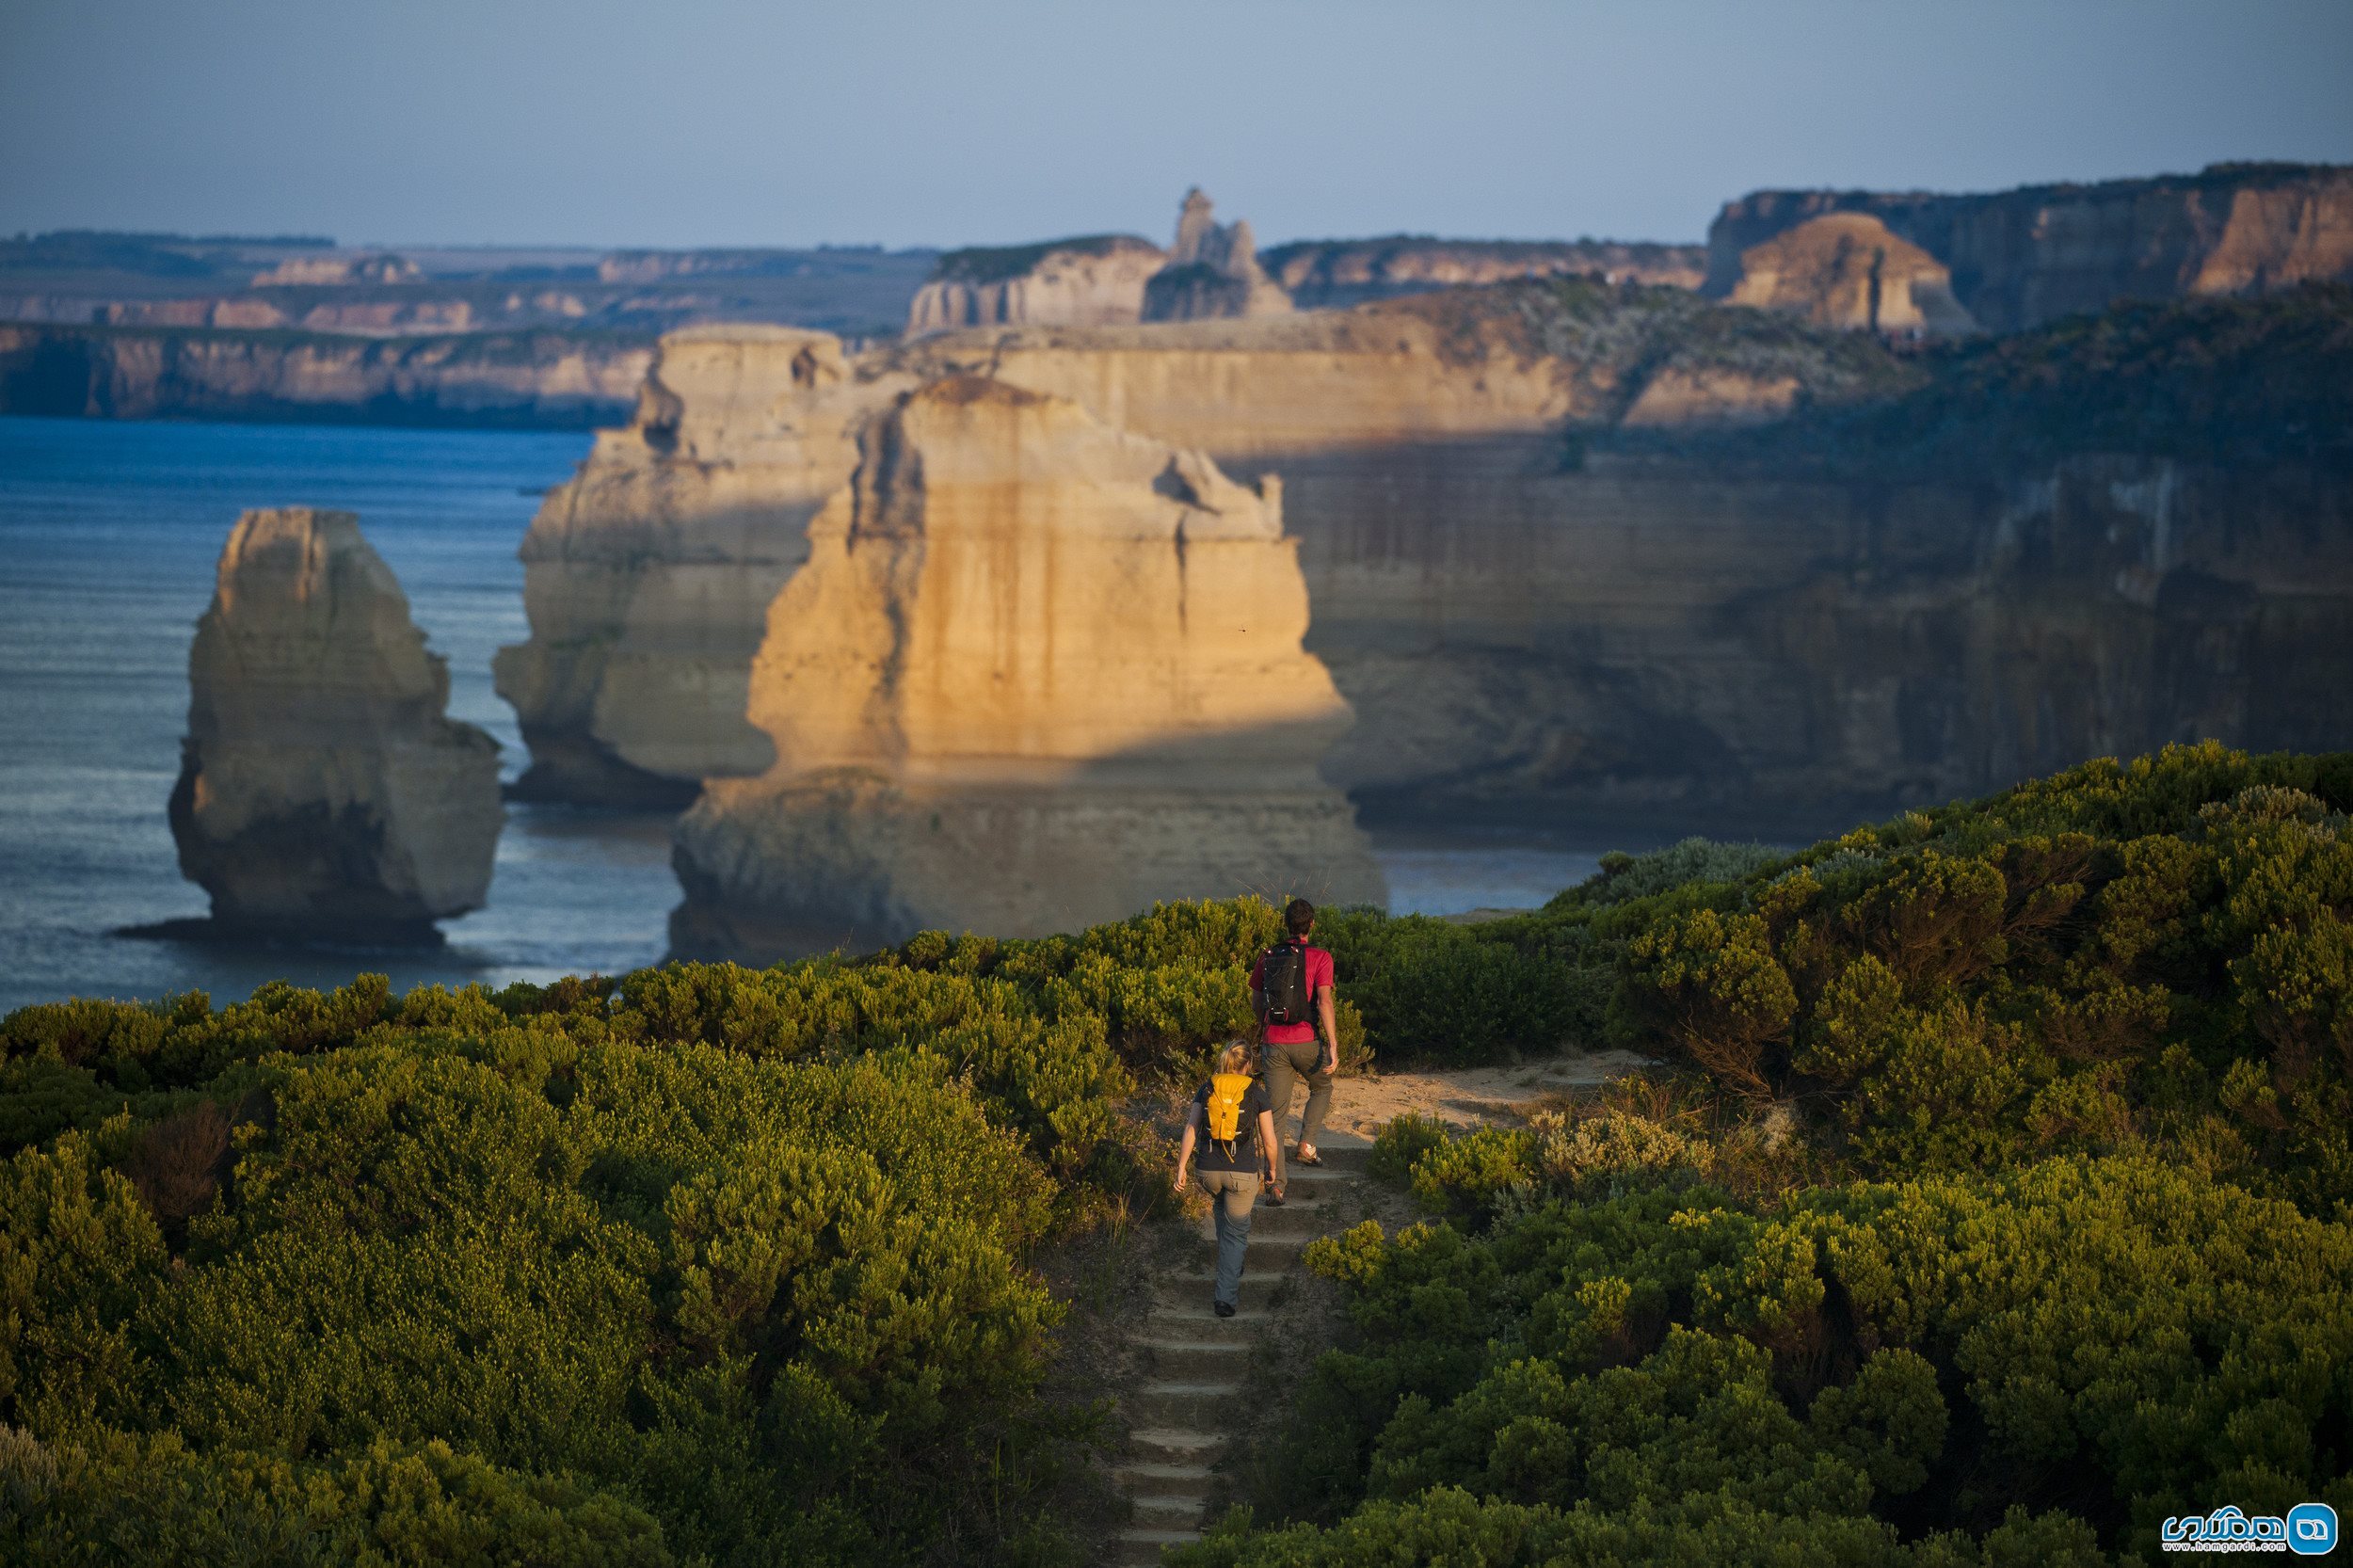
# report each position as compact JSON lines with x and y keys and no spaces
{"x":1185,"y":1293}
{"x":1340,"y":1158}
{"x":1164,"y":1480}
{"x":1187,"y":1319}
{"x":1269,"y":1255}
{"x":1200,"y":1361}
{"x":1186,"y":1448}
{"x":1168,"y":1510}
{"x":1203,"y":1406}
{"x":1293,"y":1222}
{"x":1140,"y":1546}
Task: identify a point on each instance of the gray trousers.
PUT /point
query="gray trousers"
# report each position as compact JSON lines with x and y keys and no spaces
{"x":1232,"y":1193}
{"x":1285,"y":1065}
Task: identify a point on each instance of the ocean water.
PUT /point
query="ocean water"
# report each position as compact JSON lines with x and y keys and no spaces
{"x":108,"y":538}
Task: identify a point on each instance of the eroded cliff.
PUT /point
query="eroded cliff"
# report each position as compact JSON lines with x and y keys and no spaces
{"x":1336,"y":274}
{"x":1036,"y":673}
{"x":2024,"y":257}
{"x":1095,"y":280}
{"x":648,"y":578}
{"x":1849,"y":270}
{"x":533,"y":379}
{"x":1547,"y":595}
{"x":324,"y":792}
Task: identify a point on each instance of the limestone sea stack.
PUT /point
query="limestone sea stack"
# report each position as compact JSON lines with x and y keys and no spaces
{"x":647,"y":577}
{"x":1036,"y":673}
{"x":1212,"y":272}
{"x":324,"y":792}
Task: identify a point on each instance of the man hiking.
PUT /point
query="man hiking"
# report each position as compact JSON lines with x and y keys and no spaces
{"x":1290,"y":990}
{"x":1233,"y":1134}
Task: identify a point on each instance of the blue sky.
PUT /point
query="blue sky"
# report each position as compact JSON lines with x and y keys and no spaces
{"x":918,"y":122}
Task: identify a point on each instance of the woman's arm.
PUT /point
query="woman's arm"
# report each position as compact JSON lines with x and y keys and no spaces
{"x":1184,"y":1145}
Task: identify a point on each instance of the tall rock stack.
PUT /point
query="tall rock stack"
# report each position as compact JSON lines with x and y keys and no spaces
{"x":647,"y":577}
{"x":324,"y":792}
{"x":1038,"y":673}
{"x":1212,"y":271}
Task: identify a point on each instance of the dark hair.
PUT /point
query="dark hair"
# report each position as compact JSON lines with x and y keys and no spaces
{"x":1298,"y":916}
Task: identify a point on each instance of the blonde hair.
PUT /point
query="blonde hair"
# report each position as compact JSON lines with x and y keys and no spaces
{"x":1235,"y":1058}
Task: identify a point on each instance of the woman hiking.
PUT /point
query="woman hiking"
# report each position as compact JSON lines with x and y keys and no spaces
{"x":1229,"y":1136}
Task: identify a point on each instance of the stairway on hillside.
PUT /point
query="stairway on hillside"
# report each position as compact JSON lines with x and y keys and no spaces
{"x":1196,"y":1388}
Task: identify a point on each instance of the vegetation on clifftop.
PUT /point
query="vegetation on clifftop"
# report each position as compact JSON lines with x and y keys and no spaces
{"x":995,"y":263}
{"x":2254,"y":382}
{"x":1993,"y":1199}
{"x":1994,"y":1202}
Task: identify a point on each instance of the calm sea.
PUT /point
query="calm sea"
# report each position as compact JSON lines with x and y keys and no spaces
{"x":108,"y":538}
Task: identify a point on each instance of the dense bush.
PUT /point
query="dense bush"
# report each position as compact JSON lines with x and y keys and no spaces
{"x":2001,"y":1157}
{"x":700,"y":1264}
{"x":2101,"y":1341}
{"x":1995,"y":1202}
{"x":2155,"y":956}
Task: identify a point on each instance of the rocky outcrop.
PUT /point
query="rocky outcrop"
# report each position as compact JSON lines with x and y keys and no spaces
{"x":648,"y":577}
{"x":2024,"y":257}
{"x":1336,"y":274}
{"x":1212,"y":271}
{"x":1036,"y":674}
{"x":1848,"y":270}
{"x":1096,"y":280}
{"x":315,"y":271}
{"x":545,"y":381}
{"x":323,"y":793}
{"x":1667,"y":643}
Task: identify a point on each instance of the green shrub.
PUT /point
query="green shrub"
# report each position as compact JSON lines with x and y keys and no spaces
{"x":2112,"y":1338}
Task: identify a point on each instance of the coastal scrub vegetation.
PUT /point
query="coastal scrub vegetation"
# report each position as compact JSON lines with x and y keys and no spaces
{"x":2247,"y":382}
{"x":1991,"y":1202}
{"x":1992,"y":1197}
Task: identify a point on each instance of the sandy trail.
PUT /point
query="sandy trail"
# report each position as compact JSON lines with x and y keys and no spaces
{"x":1465,"y":1096}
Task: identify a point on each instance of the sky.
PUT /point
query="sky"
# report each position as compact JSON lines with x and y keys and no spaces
{"x":689,"y":122}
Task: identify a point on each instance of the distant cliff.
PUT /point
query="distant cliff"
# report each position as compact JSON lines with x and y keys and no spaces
{"x":553,"y":380}
{"x":647,"y":577}
{"x":1882,"y":579}
{"x":2024,"y":257}
{"x":1323,"y":274}
{"x":1093,"y":280}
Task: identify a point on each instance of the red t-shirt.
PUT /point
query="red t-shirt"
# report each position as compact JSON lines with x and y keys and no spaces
{"x":1319,"y":979}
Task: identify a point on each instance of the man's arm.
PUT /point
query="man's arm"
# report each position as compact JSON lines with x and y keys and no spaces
{"x":1184,"y":1145}
{"x":1331,"y":1028}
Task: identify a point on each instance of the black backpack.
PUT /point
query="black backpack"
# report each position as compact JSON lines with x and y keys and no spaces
{"x":1283,"y":984}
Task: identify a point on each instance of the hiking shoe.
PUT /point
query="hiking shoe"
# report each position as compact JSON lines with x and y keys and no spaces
{"x":1225,"y":1309}
{"x":1306,"y":1157}
{"x":1271,"y":1199}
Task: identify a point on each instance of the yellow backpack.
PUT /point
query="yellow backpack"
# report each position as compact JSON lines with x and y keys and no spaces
{"x":1225,"y":1108}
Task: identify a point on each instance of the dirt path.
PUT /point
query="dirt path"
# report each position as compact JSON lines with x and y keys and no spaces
{"x":1195,"y":1390}
{"x":1468,"y":1096}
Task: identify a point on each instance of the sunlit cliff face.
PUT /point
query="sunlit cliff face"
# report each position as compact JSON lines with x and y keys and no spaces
{"x":1009,"y":589}
{"x":1035,"y":672}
